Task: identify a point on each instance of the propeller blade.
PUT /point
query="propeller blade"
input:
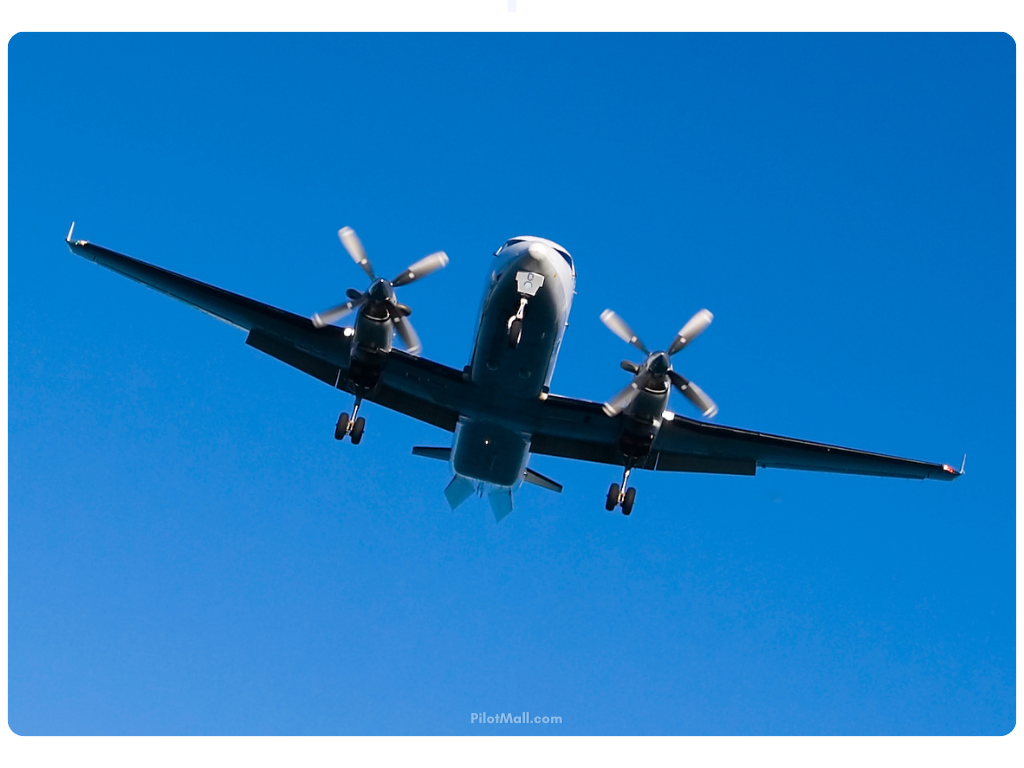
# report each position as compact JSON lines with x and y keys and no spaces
{"x":620,"y":328}
{"x":694,"y":394}
{"x":694,"y":327}
{"x":622,"y":400}
{"x":320,"y":319}
{"x":410,"y":340}
{"x":422,"y":268}
{"x":351,"y":242}
{"x":353,"y":294}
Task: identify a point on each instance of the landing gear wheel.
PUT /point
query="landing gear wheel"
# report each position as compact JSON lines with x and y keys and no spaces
{"x":613,"y":497}
{"x":627,"y":502}
{"x":515,"y":333}
{"x":341,"y":428}
{"x":357,"y":430}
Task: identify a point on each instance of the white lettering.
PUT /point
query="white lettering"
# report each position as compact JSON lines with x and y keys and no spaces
{"x":504,"y":718}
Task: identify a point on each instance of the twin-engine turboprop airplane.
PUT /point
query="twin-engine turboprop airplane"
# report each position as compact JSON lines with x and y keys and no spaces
{"x":498,"y":406}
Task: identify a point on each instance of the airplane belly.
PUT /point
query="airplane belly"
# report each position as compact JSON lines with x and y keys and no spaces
{"x":490,"y":453}
{"x":501,"y":370}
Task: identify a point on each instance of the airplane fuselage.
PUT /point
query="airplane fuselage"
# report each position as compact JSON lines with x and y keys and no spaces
{"x":523,"y":316}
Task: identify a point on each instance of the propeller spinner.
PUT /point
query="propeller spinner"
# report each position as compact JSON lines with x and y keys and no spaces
{"x":381,"y":290}
{"x":658,"y":365}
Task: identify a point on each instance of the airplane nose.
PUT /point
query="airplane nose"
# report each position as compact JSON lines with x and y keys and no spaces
{"x":539,"y":251}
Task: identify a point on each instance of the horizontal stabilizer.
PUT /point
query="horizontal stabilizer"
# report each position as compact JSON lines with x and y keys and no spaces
{"x":458,"y":490}
{"x":501,"y":503}
{"x":444,"y":454}
{"x":536,"y":478}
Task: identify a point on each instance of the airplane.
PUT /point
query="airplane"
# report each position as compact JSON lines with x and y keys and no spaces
{"x":499,"y":408}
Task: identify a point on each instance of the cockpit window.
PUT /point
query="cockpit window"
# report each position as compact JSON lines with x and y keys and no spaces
{"x":562,"y":252}
{"x":513,"y":241}
{"x":568,"y":259}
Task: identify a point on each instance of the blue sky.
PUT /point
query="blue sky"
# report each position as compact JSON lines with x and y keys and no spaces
{"x":190,"y":551}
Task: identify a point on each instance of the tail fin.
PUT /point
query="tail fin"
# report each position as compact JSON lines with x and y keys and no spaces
{"x":458,"y":490}
{"x":501,"y":503}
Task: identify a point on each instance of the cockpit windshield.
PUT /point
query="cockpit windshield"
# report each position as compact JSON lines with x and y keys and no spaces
{"x":568,"y":259}
{"x":564,"y":253}
{"x":507,"y":243}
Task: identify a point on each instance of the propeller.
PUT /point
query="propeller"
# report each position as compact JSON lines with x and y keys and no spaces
{"x":381,"y":291}
{"x":658,"y":365}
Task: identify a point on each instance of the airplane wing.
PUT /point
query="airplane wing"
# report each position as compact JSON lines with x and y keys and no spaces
{"x":579,"y":429}
{"x":435,"y":394}
{"x":420,"y":388}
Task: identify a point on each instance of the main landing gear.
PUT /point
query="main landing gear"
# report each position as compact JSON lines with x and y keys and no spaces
{"x":351,"y":425}
{"x":621,"y":495}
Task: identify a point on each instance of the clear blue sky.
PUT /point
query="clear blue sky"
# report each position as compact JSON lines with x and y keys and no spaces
{"x":191,"y":552}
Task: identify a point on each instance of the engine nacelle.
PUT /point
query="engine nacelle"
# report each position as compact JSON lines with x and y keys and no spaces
{"x":371,"y":342}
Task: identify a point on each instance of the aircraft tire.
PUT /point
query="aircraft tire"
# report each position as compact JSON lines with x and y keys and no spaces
{"x":341,"y":427}
{"x":357,"y":430}
{"x":627,"y":503}
{"x":515,"y":333}
{"x":613,"y":497}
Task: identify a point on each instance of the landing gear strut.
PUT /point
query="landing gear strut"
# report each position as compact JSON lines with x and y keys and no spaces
{"x":351,"y":425}
{"x":620,"y":495}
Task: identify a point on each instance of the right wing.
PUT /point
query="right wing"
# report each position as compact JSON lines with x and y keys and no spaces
{"x":420,"y":388}
{"x":230,"y":307}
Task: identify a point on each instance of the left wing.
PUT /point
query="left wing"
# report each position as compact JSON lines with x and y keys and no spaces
{"x":681,"y":438}
{"x":420,"y":388}
{"x":579,"y":429}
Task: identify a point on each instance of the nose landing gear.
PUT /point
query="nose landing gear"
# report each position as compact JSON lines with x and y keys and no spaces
{"x":620,"y":495}
{"x":515,"y":324}
{"x":351,"y":426}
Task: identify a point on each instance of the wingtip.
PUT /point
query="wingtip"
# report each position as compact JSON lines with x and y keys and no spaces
{"x":77,"y":247}
{"x":953,"y":471}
